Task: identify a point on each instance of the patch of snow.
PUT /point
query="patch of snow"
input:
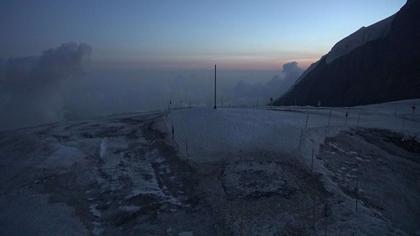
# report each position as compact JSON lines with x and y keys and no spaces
{"x":186,"y":234}
{"x":130,"y":208}
{"x":63,"y":157}
{"x":231,"y":133}
{"x":103,"y":148}
{"x":94,"y":211}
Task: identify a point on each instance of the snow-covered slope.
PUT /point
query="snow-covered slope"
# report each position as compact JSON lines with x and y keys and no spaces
{"x":250,"y":137}
{"x":224,"y":133}
{"x":229,"y":171}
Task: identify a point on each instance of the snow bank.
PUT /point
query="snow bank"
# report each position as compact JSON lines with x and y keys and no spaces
{"x":204,"y":134}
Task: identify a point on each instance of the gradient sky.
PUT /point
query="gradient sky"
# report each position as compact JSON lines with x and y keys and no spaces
{"x":257,"y":34}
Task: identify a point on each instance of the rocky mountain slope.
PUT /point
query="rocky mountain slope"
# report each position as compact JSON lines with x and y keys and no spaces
{"x":376,"y":64}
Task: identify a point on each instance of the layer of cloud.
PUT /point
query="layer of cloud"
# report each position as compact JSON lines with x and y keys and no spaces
{"x":246,"y":93}
{"x":31,"y":87}
{"x":55,"y":86}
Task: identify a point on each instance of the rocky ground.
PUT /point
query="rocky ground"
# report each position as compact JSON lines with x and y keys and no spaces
{"x":380,"y":170}
{"x":115,"y":176}
{"x":124,"y":175}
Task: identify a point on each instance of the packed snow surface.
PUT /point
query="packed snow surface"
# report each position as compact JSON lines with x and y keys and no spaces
{"x":205,"y":134}
{"x":230,"y":171}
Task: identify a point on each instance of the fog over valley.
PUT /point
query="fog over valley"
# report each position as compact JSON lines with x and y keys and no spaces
{"x":62,"y":84}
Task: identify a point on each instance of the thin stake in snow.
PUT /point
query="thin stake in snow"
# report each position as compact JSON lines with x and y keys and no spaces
{"x":312,"y":162}
{"x":357,"y":192}
{"x":307,"y":119}
{"x":242,"y":222}
{"x":173,"y":132}
{"x":346,"y":117}
{"x":313,"y":213}
{"x":403,"y":122}
{"x":326,"y":219}
{"x":300,"y":139}
{"x":186,"y":146}
{"x":329,"y":118}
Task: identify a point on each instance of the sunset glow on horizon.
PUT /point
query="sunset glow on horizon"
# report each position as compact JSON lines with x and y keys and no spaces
{"x":188,"y":34}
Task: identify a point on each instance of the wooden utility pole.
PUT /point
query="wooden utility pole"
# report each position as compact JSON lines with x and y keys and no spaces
{"x":215,"y":103}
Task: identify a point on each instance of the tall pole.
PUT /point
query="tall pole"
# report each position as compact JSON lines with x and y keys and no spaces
{"x":215,"y":70}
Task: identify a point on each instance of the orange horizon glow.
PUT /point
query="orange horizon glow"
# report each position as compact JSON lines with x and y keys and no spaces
{"x":224,"y":62}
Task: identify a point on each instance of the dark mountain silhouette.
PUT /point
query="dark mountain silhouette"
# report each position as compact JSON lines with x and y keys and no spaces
{"x":375,"y":64}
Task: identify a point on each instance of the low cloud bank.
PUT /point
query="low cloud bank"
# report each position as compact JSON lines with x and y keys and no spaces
{"x":60,"y":85}
{"x":31,"y":87}
{"x":246,"y":93}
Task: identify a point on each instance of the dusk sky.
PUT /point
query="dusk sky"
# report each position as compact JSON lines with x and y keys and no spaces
{"x":190,"y":33}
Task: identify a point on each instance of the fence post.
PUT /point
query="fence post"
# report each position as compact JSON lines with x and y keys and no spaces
{"x":357,"y":192}
{"x":307,"y":119}
{"x":186,"y":146}
{"x":312,"y":162}
{"x":329,"y":118}
{"x":346,"y":117}
{"x":300,"y":139}
{"x":313,"y":214}
{"x":173,"y":132}
{"x":326,"y":219}
{"x":403,"y":125}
